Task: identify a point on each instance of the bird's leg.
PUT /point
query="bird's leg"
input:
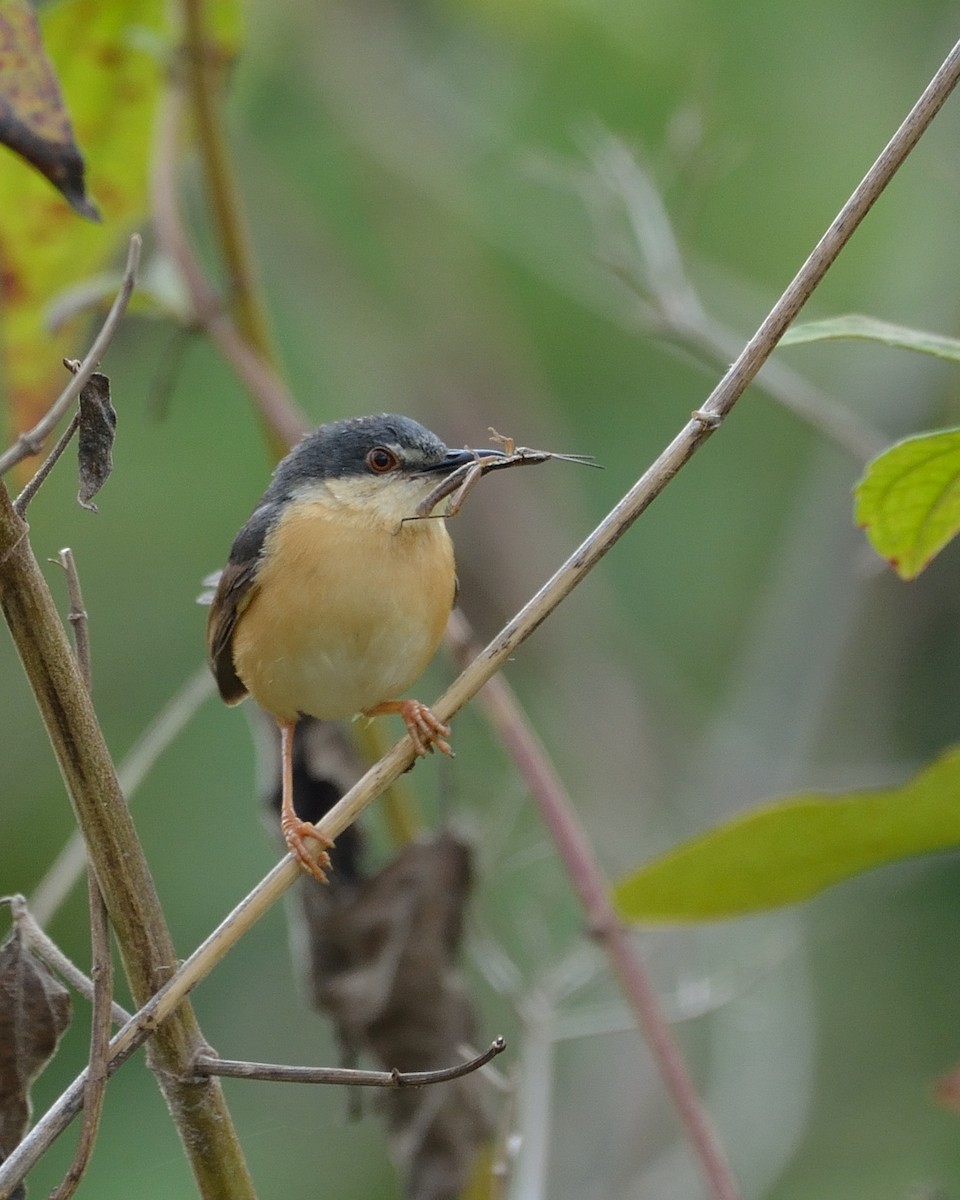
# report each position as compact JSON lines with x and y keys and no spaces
{"x":295,"y":832}
{"x":426,"y":731}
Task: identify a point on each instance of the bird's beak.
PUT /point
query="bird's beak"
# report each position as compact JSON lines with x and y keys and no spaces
{"x":459,"y":458}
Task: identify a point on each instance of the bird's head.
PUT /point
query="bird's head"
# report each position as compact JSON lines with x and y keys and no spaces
{"x":381,"y":467}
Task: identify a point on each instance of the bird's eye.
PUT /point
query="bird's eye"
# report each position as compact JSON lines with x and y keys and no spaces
{"x":380,"y":460}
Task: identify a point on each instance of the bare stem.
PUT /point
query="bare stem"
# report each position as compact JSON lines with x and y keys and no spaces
{"x":31,"y":442}
{"x":102,"y":969}
{"x":208,"y":1064}
{"x":559,"y":815}
{"x":97,"y":1068}
{"x":34,"y":484}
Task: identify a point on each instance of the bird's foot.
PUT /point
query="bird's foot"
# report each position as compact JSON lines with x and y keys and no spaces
{"x":295,"y":834}
{"x":427,"y":732}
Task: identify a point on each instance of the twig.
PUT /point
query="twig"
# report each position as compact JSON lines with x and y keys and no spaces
{"x":208,"y":1064}
{"x":47,"y":949}
{"x":102,"y":965}
{"x":168,"y":724}
{"x":77,"y":615}
{"x":31,"y":442}
{"x":97,"y":1069}
{"x":559,"y":815}
{"x":640,"y":496}
{"x":34,"y":484}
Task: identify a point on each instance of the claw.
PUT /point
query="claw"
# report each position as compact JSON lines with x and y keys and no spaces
{"x":427,"y":732}
{"x":295,"y":834}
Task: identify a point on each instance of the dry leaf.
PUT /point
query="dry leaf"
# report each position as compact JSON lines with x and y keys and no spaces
{"x":34,"y":1012}
{"x":381,"y":955}
{"x":384,"y":967}
{"x":33,"y":117}
{"x":98,"y":424}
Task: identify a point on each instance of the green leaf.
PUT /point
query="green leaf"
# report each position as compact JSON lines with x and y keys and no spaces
{"x":791,"y":850}
{"x":908,"y":500}
{"x":869,"y":329}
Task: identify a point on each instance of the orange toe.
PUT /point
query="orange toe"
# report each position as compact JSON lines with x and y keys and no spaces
{"x":426,"y":731}
{"x":296,"y":834}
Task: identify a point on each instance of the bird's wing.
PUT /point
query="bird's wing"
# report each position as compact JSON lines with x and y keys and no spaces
{"x":235,"y":589}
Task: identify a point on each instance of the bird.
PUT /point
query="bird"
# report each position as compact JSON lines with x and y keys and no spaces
{"x":337,"y":590}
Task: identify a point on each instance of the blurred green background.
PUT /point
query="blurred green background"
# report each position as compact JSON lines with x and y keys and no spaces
{"x":435,"y":237}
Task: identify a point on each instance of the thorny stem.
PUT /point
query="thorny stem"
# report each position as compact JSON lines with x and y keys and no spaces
{"x":77,"y":615}
{"x":622,"y":516}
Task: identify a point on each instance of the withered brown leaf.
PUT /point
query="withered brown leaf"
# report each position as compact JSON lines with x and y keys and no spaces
{"x":98,"y":425}
{"x":384,"y":966}
{"x":33,"y":117}
{"x":382,"y":955}
{"x":34,"y":1012}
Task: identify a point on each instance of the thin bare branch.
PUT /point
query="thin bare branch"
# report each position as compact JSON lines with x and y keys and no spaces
{"x":610,"y":530}
{"x":97,"y":1067}
{"x":34,"y":484}
{"x":208,"y":1064}
{"x":31,"y":442}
